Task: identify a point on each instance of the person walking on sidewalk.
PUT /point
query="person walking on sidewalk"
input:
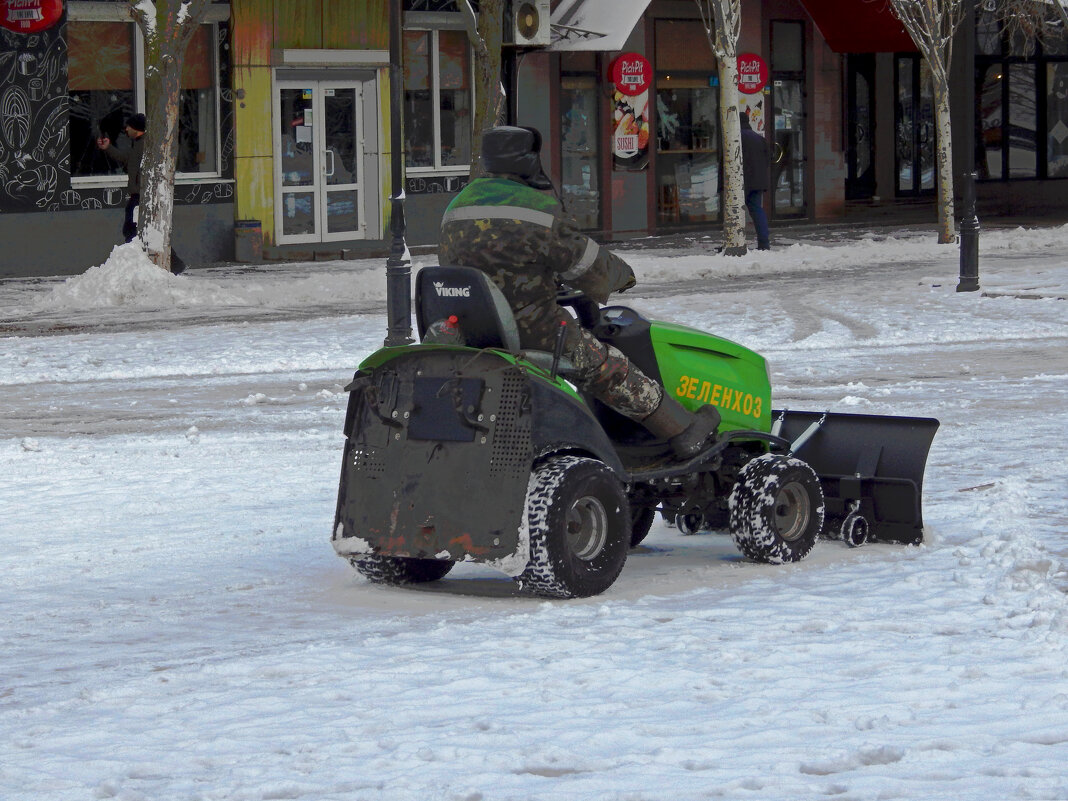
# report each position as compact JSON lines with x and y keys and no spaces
{"x":755,"y":167}
{"x":136,"y":126}
{"x":509,"y":226}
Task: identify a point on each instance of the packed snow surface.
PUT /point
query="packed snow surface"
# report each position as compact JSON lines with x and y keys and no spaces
{"x":174,"y":623}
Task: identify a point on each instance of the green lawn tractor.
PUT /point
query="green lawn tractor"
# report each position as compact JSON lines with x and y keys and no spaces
{"x":466,"y":447}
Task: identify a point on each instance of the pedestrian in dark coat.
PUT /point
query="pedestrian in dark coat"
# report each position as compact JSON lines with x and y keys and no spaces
{"x":756,"y":165}
{"x":509,"y":227}
{"x":136,"y":126}
{"x":131,"y":160}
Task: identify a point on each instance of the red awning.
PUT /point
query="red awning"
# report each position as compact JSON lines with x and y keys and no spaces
{"x":859,"y":26}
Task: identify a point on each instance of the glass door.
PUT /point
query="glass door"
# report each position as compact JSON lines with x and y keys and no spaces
{"x":788,"y":150}
{"x":342,"y":198}
{"x":914,"y":118}
{"x":860,"y":122}
{"x":318,"y":177}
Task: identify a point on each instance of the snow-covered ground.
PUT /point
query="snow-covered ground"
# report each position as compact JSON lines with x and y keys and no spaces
{"x":174,"y":623}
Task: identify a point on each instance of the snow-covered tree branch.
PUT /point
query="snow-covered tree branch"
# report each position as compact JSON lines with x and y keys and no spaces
{"x":1030,"y":21}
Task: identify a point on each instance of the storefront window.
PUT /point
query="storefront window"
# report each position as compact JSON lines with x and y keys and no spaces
{"x":987,"y":33}
{"x":1057,"y":120}
{"x":437,"y":99}
{"x":100,"y":78}
{"x":580,"y":151}
{"x":1021,"y":107}
{"x":990,"y":117}
{"x":787,"y":46}
{"x":104,"y":74}
{"x":1022,"y":128}
{"x":454,"y":102}
{"x":197,"y":105}
{"x":687,"y":125}
{"x":687,"y":130}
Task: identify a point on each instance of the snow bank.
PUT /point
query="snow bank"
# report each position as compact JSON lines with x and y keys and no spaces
{"x":129,"y":279}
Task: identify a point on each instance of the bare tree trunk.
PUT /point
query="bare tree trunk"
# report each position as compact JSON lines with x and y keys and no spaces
{"x":166,"y":29}
{"x":733,"y":172}
{"x":722,"y":20}
{"x":486,"y":35}
{"x":947,"y":233}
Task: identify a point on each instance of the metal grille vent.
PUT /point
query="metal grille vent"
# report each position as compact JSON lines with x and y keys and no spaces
{"x":511,"y":435}
{"x":366,"y":461}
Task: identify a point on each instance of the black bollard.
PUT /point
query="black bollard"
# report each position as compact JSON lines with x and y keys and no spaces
{"x":969,"y":238}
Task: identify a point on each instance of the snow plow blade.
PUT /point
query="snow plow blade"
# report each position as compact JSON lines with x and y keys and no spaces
{"x":871,"y":468}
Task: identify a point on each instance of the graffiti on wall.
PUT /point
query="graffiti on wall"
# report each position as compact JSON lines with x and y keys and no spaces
{"x":35,"y":172}
{"x":34,"y":157}
{"x":427,"y":185}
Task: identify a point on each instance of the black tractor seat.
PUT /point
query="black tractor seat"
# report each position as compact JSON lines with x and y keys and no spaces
{"x":483,"y":315}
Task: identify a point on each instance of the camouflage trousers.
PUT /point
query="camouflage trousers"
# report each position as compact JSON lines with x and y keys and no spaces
{"x":603,"y":371}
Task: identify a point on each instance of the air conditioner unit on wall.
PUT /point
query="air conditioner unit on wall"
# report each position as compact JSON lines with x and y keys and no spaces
{"x":530,"y":23}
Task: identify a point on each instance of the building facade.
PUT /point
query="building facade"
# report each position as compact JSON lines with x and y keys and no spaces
{"x":284,"y":134}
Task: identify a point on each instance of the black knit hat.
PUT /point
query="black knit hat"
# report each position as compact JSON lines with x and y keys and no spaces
{"x":138,"y":122}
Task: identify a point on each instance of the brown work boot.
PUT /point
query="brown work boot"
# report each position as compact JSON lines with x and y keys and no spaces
{"x":685,"y":431}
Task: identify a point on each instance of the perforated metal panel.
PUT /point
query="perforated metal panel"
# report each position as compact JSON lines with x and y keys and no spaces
{"x":511,"y":437}
{"x":367,"y":461}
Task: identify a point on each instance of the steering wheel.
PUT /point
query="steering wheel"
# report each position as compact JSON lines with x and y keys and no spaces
{"x":587,"y":309}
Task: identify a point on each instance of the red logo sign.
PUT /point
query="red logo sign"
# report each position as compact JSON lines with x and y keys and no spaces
{"x":632,"y":73}
{"x":752,"y":73}
{"x":30,"y":16}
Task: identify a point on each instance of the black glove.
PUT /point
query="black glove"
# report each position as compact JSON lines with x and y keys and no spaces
{"x":588,"y":311}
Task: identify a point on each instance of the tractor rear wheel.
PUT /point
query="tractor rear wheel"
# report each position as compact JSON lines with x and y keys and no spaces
{"x":776,"y":509}
{"x":399,"y":570}
{"x":580,"y":528}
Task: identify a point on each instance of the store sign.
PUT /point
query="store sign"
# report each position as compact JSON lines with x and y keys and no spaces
{"x":752,"y":73}
{"x":30,"y":16}
{"x":632,"y":73}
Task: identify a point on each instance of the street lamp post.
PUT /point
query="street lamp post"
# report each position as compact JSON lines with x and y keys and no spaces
{"x":398,"y":265}
{"x":969,"y":239}
{"x":969,"y":224}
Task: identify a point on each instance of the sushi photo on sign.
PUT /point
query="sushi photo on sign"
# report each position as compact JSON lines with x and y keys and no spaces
{"x":631,"y":75}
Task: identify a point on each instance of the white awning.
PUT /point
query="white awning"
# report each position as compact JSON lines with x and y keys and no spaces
{"x":594,"y":24}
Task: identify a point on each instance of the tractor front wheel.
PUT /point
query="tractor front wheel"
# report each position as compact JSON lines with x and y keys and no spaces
{"x":579,"y":523}
{"x":776,"y":509}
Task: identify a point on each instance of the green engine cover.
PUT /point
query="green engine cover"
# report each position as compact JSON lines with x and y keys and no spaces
{"x":699,"y":368}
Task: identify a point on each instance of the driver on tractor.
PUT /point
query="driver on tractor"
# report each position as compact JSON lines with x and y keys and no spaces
{"x":508,"y":226}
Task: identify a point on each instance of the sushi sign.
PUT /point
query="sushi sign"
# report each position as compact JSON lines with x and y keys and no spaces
{"x":632,"y":75}
{"x":30,"y":16}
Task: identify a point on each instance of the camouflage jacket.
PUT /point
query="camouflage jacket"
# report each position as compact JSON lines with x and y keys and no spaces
{"x":521,"y":239}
